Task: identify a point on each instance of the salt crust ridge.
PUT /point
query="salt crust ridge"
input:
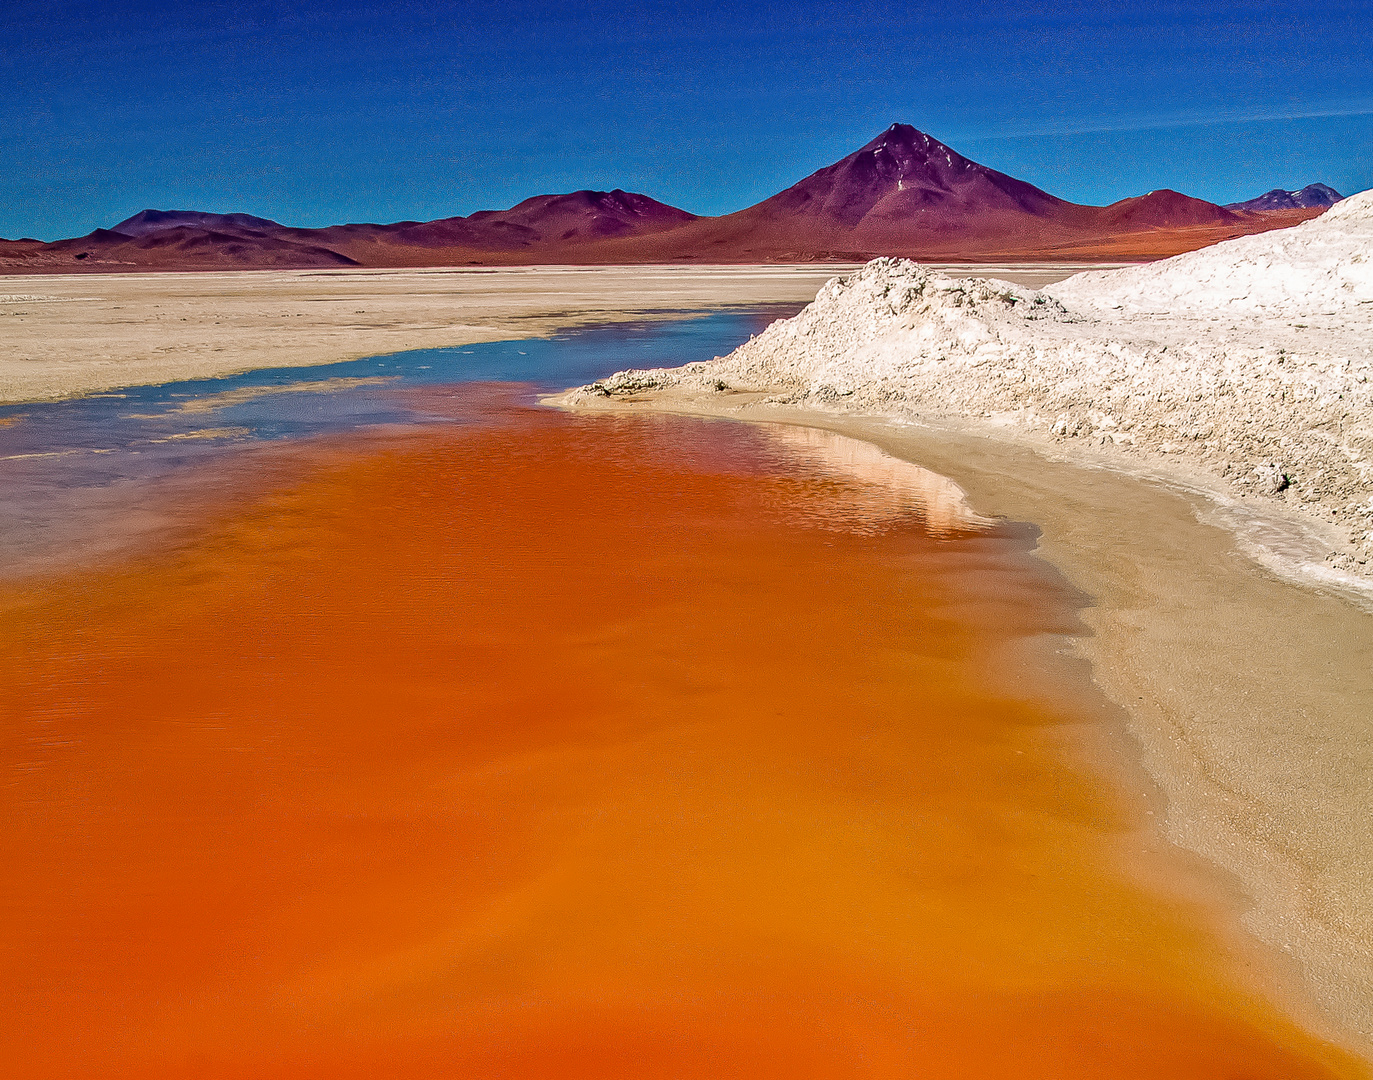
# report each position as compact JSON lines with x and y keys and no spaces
{"x":1249,"y":362}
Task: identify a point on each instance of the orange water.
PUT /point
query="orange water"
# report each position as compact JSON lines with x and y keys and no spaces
{"x":545,"y":747}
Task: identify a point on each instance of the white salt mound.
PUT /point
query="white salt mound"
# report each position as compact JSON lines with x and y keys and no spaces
{"x":1251,"y":359}
{"x":1322,"y":265}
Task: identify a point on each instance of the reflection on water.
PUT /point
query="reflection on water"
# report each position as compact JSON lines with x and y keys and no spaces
{"x":882,"y":489}
{"x":227,"y":398}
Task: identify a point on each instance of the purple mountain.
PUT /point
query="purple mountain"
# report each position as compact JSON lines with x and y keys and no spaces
{"x":152,"y":221}
{"x":1309,"y":197}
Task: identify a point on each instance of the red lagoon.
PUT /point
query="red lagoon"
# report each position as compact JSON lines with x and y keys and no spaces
{"x":535,"y":746}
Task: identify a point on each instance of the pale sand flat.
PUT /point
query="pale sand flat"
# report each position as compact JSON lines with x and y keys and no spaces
{"x":1250,"y":695}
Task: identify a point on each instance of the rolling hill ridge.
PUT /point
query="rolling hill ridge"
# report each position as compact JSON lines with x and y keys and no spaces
{"x":904,"y":193}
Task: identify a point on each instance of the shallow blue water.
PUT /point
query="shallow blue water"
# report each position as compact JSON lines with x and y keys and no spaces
{"x":69,"y":461}
{"x":140,"y":415}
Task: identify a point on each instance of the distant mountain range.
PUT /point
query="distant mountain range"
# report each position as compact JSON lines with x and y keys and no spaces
{"x":1313,"y":195}
{"x":904,"y":193}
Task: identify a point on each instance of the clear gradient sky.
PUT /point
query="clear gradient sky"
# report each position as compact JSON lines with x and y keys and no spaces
{"x":319,"y":112}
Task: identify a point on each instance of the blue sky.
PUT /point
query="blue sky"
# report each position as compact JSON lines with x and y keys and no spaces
{"x":314,"y":113}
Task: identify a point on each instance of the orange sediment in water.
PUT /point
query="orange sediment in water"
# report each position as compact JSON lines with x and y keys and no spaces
{"x":545,"y":747}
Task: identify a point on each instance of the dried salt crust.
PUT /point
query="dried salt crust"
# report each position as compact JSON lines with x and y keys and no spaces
{"x":1246,"y":364}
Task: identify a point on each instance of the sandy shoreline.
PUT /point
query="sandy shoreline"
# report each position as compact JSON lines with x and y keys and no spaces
{"x":63,"y":336}
{"x":1252,"y":725}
